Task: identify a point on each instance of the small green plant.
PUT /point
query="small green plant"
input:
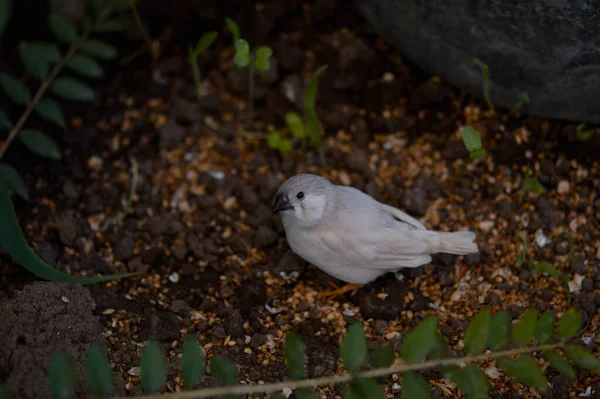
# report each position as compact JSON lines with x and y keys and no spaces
{"x":233,"y":28}
{"x":583,"y":134}
{"x":260,"y":60}
{"x":472,"y":141}
{"x":523,"y":98}
{"x":193,"y":52}
{"x":152,"y":47}
{"x":312,"y":126}
{"x":531,"y":184}
{"x":485,"y":72}
{"x":423,"y":348}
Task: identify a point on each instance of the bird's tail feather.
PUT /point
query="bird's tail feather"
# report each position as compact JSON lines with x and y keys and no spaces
{"x":455,"y":243}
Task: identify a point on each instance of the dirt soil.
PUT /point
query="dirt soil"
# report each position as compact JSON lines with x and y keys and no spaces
{"x":214,"y":257}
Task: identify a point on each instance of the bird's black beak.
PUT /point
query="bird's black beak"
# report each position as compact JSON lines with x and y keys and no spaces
{"x":281,"y":204}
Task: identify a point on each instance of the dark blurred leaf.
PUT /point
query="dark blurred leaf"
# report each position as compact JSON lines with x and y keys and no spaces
{"x":85,"y":66}
{"x":14,"y":89}
{"x":476,"y":336}
{"x":192,"y":362}
{"x":5,"y":14}
{"x":545,"y":267}
{"x":294,"y":355}
{"x":99,"y":49}
{"x":582,"y":357}
{"x":560,"y":364}
{"x":4,"y":394}
{"x":439,"y":350}
{"x":310,"y":98}
{"x":569,"y":324}
{"x":109,"y":25}
{"x":526,"y":370}
{"x":205,"y":41}
{"x":49,"y":109}
{"x":98,"y":372}
{"x":233,"y":28}
{"x":524,"y":97}
{"x":224,"y":369}
{"x":295,"y":124}
{"x":242,"y":53}
{"x":471,"y":139}
{"x":72,"y":89}
{"x":478,"y":154}
{"x":306,"y":393}
{"x":14,"y":180}
{"x":273,"y":140}
{"x":39,"y":143}
{"x":353,"y":349}
{"x":544,"y":331}
{"x":278,"y":396}
{"x":471,"y":380}
{"x":414,"y":386}
{"x":5,"y":123}
{"x":61,"y":376}
{"x":483,"y":66}
{"x":351,"y":392}
{"x":499,"y":331}
{"x":417,"y":344}
{"x":35,"y":62}
{"x":13,"y":241}
{"x":383,"y":355}
{"x":524,"y":330}
{"x":285,"y":147}
{"x":368,"y":388}
{"x":154,"y":368}
{"x":62,"y":27}
{"x":264,"y":53}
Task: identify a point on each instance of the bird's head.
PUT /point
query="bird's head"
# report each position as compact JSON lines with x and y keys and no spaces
{"x":303,"y":198}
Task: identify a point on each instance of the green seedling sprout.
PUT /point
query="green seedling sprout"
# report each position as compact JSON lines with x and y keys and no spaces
{"x":193,"y":52}
{"x":277,"y":140}
{"x":260,"y":60}
{"x":312,"y":125}
{"x":523,"y":98}
{"x":149,"y":43}
{"x":485,"y":72}
{"x":584,"y":134}
{"x":472,"y":141}
{"x":233,"y":28}
{"x":532,"y":184}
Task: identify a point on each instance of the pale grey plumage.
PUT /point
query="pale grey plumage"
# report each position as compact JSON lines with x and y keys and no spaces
{"x":353,"y":237}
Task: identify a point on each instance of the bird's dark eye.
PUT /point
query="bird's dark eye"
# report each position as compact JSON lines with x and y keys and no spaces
{"x":300,"y":195}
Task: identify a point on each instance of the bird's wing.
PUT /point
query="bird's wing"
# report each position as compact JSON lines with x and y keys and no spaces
{"x":402,"y":216}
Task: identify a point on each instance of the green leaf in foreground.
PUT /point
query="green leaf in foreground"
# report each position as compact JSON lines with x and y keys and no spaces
{"x":4,"y":394}
{"x":6,"y":7}
{"x":470,"y":138}
{"x":418,"y":342}
{"x":192,"y":362}
{"x":99,"y":49}
{"x":224,"y":369}
{"x":478,"y":154}
{"x":471,"y":380}
{"x":526,"y":370}
{"x":383,"y":355}
{"x":414,"y":386}
{"x":439,"y":349}
{"x":368,"y":388}
{"x":14,"y":180}
{"x":353,"y":349}
{"x":560,"y":364}
{"x":524,"y":330}
{"x":242,"y":53}
{"x":306,"y":393}
{"x":34,"y":61}
{"x":14,"y":89}
{"x":499,"y":331}
{"x":233,"y":28}
{"x":13,"y":241}
{"x":98,"y":372}
{"x":62,"y":27}
{"x":49,"y":109}
{"x":154,"y":368}
{"x":294,"y":355}
{"x":40,"y":144}
{"x":544,"y":331}
{"x":71,"y":89}
{"x":582,"y":357}
{"x":294,"y":124}
{"x":569,"y":324}
{"x":5,"y":123}
{"x":61,"y":376}
{"x":85,"y":66}
{"x":109,"y":25}
{"x":476,"y":336}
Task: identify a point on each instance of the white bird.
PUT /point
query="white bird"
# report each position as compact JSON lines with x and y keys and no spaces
{"x":355,"y":238}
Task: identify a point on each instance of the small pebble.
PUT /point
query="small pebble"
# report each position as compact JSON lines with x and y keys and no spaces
{"x":563,"y":187}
